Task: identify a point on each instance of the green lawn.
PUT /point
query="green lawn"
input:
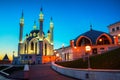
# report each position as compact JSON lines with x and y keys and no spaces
{"x":109,"y":60}
{"x":14,"y":69}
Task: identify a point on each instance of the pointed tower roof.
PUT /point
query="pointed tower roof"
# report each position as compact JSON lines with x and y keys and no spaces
{"x":41,"y":9}
{"x":90,"y":27}
{"x":41,"y":16}
{"x":51,"y":18}
{"x":34,"y":26}
{"x":6,"y":58}
{"x":51,"y":22}
{"x":22,"y":18}
{"x":22,"y":14}
{"x":48,"y":31}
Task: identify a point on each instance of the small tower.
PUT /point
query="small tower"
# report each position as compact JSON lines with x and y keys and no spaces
{"x":41,"y":18}
{"x":5,"y":58}
{"x":13,"y":54}
{"x":21,"y":33}
{"x":34,"y":26}
{"x":51,"y":31}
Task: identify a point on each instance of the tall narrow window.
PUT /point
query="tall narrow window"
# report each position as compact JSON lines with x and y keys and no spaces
{"x":45,"y":49}
{"x":25,"y":49}
{"x":32,"y":46}
{"x":35,"y":48}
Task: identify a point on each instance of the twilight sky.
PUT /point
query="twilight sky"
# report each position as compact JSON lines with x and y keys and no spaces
{"x":71,"y":18}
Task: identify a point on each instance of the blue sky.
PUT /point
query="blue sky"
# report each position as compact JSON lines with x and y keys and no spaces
{"x":71,"y":18}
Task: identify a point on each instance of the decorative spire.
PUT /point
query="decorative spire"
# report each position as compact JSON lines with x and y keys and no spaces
{"x":21,"y":27}
{"x":90,"y":27}
{"x":41,"y":15}
{"x":41,"y":9}
{"x":51,"y":22}
{"x":22,"y":14}
{"x":51,"y":18}
{"x":22,"y":18}
{"x":34,"y":27}
{"x":51,"y":31}
{"x":13,"y":54}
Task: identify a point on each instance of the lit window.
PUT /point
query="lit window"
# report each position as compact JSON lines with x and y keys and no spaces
{"x":114,"y":37}
{"x":118,"y":34}
{"x":100,"y":40}
{"x":34,"y":34}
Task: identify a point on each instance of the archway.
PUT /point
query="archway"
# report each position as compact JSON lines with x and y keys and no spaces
{"x":103,"y":40}
{"x":83,"y":41}
{"x":32,"y":46}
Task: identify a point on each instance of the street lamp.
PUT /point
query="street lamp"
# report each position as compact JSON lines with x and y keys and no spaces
{"x":57,"y":56}
{"x":88,"y":49}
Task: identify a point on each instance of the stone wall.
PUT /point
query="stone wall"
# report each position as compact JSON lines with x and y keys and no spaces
{"x":85,"y":74}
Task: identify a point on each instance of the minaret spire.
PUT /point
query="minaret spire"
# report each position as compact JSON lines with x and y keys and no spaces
{"x":51,"y":30}
{"x":91,"y":27}
{"x":41,"y":18}
{"x":21,"y":33}
{"x":34,"y":26}
{"x":22,"y":14}
{"x":21,"y":27}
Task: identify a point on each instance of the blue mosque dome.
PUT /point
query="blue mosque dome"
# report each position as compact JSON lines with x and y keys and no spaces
{"x":93,"y":35}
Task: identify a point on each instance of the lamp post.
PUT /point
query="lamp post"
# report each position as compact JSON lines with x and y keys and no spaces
{"x":88,"y":49}
{"x":57,"y":56}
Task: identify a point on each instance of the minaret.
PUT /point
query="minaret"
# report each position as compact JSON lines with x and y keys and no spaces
{"x":21,"y":34}
{"x":41,"y":33}
{"x":51,"y":31}
{"x":21,"y":28}
{"x":41,"y":24}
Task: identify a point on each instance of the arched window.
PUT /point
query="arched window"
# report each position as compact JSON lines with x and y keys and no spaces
{"x":45,"y":49}
{"x":83,"y":42}
{"x":103,"y":40}
{"x":25,"y":48}
{"x":36,"y":48}
{"x":32,"y":46}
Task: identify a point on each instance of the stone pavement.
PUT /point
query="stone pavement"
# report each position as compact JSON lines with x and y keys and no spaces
{"x":19,"y":75}
{"x":45,"y":72}
{"x":3,"y":78}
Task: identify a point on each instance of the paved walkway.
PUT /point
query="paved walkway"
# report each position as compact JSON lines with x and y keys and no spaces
{"x":3,"y":78}
{"x":45,"y":72}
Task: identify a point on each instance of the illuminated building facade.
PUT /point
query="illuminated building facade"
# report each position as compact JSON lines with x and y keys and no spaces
{"x":99,"y":41}
{"x":36,"y":48}
{"x":114,"y":30}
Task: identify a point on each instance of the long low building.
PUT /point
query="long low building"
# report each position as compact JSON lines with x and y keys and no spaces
{"x":98,"y":41}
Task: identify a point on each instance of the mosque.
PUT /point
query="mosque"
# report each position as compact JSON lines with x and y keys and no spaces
{"x":99,"y":42}
{"x":36,"y":48}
